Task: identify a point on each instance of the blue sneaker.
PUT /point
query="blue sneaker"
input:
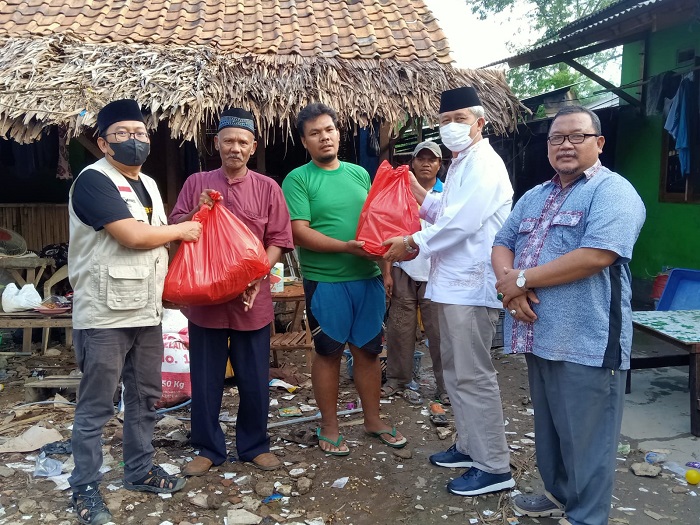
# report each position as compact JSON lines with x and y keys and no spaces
{"x":451,"y":458}
{"x":474,"y":482}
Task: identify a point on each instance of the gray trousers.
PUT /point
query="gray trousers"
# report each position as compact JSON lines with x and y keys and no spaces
{"x":407,"y":296}
{"x":467,"y":333}
{"x":103,"y":356}
{"x":578,"y":415}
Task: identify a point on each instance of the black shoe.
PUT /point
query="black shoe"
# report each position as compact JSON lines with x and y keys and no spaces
{"x":90,"y":506}
{"x":474,"y":482}
{"x":451,"y":458}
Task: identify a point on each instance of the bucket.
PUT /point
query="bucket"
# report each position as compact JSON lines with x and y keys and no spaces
{"x":657,"y":289}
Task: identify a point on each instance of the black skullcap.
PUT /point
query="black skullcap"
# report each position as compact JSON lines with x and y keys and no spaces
{"x":237,"y":118}
{"x":459,"y":98}
{"x":118,"y":111}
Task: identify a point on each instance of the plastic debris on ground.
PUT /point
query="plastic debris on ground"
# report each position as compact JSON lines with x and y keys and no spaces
{"x":47,"y":467}
{"x":278,"y":383}
{"x":340,"y":483}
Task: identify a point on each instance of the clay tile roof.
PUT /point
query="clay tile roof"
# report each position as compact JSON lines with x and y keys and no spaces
{"x":188,"y":59}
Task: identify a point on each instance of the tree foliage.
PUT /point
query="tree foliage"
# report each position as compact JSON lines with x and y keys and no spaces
{"x":545,"y":18}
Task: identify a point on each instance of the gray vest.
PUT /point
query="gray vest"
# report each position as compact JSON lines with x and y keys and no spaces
{"x":115,"y":286}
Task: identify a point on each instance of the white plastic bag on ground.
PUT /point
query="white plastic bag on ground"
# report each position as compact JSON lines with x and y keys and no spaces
{"x":15,"y":300}
{"x":175,"y":370}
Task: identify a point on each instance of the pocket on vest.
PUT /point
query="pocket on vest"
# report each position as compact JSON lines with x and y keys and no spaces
{"x":127,"y":287}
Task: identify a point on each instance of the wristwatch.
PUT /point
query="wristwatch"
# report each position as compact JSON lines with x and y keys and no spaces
{"x":407,"y":245}
{"x":521,"y":282}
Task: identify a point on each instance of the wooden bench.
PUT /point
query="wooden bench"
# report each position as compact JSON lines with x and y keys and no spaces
{"x":30,"y":320}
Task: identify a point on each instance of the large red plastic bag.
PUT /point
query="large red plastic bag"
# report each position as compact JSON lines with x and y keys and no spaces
{"x":389,"y":211}
{"x":219,"y":266}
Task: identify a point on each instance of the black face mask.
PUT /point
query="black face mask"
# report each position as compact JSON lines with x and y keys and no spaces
{"x":131,"y":152}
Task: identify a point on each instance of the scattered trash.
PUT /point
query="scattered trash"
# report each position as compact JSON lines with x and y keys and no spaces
{"x":272,"y":497}
{"x":47,"y":467}
{"x":437,"y":415}
{"x":31,"y":439}
{"x":693,"y":464}
{"x":676,"y":468}
{"x":654,"y":515}
{"x":278,"y":383}
{"x":654,"y":457}
{"x":57,"y":447}
{"x":290,"y":412}
{"x":340,"y":483}
{"x":623,"y":449}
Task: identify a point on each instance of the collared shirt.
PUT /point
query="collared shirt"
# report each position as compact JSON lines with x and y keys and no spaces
{"x":418,"y":269}
{"x":258,"y":202}
{"x":588,"y":321}
{"x":473,"y":206}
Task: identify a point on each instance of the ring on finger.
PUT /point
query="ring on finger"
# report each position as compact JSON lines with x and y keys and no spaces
{"x":499,"y":296}
{"x":513,"y":312}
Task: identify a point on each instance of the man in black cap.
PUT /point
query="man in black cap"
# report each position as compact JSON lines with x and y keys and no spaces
{"x":240,"y":329}
{"x":473,"y":207}
{"x":408,"y":282}
{"x":117,"y":263}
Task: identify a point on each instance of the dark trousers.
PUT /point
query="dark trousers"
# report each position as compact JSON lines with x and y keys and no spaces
{"x":406,"y":298}
{"x":249,"y":352}
{"x":103,"y":356}
{"x":578,"y":415}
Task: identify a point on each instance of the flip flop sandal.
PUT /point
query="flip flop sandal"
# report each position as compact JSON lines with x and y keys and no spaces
{"x":444,"y":399}
{"x":437,"y":415}
{"x":393,"y":444}
{"x":388,"y":391}
{"x":336,"y":444}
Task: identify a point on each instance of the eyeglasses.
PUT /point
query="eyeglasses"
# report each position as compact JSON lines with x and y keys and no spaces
{"x":574,"y":138}
{"x":123,"y":136}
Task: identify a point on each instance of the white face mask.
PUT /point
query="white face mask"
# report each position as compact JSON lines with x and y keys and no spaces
{"x":455,"y":136}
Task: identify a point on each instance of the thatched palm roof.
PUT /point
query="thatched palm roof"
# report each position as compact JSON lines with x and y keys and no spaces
{"x":62,"y":60}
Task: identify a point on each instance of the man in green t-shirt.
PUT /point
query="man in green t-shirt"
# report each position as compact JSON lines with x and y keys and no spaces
{"x":342,"y":283}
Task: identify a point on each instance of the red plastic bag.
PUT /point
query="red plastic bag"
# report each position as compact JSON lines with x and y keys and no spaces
{"x":389,"y":211}
{"x":219,"y":266}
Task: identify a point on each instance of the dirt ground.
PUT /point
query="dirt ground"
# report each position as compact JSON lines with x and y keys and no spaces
{"x":383,"y":486}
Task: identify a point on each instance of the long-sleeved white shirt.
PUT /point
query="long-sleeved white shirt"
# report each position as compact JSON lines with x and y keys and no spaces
{"x":474,"y":205}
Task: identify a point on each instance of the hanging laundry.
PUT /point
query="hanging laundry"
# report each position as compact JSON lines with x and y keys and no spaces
{"x":679,"y":121}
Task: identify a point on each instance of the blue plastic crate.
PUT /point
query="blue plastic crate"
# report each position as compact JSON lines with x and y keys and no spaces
{"x":682,"y":291}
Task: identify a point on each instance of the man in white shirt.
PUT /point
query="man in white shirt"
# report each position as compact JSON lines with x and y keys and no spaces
{"x":407,"y":292}
{"x":474,"y":205}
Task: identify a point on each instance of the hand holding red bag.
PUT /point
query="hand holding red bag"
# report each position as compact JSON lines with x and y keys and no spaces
{"x":219,"y":266}
{"x":389,"y":211}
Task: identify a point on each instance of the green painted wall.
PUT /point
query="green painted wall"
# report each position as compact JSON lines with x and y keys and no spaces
{"x":671,"y":234}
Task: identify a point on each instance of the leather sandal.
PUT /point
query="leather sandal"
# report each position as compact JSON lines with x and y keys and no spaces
{"x":157,"y":480}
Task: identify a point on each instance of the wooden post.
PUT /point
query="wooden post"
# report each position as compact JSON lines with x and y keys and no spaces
{"x":260,"y":156}
{"x":385,"y":142}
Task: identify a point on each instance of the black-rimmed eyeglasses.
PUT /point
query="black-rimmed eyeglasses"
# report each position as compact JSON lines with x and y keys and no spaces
{"x":574,"y":138}
{"x":123,"y":136}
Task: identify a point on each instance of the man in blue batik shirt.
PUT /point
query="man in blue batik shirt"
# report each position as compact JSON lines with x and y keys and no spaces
{"x":561,"y":260}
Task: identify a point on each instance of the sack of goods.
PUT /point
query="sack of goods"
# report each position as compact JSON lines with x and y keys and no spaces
{"x":389,"y":211}
{"x":219,"y":266}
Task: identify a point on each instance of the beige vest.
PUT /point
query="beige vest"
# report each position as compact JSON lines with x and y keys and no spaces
{"x":115,"y":286}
